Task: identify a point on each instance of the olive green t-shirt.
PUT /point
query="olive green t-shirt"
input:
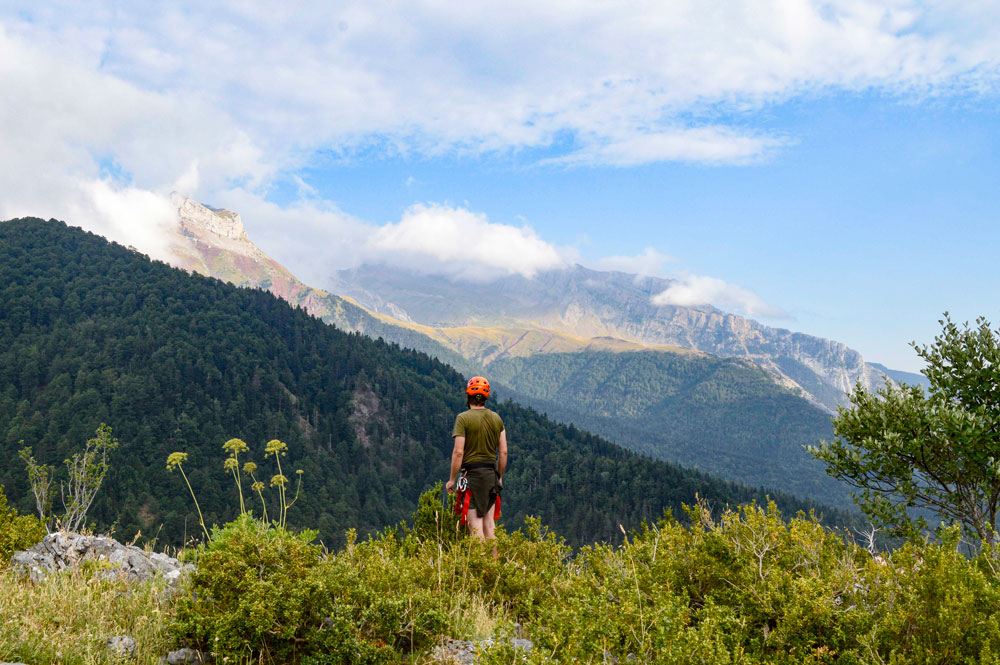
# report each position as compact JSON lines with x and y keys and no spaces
{"x":481,"y":429}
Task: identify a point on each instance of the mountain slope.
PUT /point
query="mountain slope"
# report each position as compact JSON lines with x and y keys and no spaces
{"x":592,"y":303}
{"x":91,"y":332}
{"x":721,"y":415}
{"x":708,"y":431}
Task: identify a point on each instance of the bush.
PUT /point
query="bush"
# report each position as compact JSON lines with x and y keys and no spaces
{"x":17,"y":532}
{"x":255,"y":595}
{"x":745,"y":586}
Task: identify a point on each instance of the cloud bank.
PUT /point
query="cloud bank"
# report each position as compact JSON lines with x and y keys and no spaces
{"x":692,"y":290}
{"x":647,"y":263}
{"x":106,"y":109}
{"x":442,"y":239}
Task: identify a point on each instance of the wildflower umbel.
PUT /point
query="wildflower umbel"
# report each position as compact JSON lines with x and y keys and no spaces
{"x":257,"y":487}
{"x":278,"y":448}
{"x":176,"y":461}
{"x":232,"y":464}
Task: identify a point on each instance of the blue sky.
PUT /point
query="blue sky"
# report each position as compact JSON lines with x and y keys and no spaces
{"x":825,"y":167}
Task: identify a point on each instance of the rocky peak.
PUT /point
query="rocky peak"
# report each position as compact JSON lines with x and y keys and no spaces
{"x":222,"y":227}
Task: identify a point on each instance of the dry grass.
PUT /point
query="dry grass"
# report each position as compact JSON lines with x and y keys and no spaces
{"x":69,"y":617}
{"x":477,"y":618}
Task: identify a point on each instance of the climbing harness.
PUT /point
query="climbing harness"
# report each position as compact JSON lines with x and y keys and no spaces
{"x":463,"y":495}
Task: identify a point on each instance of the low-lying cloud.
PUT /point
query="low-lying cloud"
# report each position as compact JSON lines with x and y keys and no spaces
{"x":445,"y":240}
{"x":693,"y":290}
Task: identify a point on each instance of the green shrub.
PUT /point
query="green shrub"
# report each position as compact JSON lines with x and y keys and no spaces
{"x":746,"y":586}
{"x":17,"y":532}
{"x":255,"y":595}
{"x":436,"y":521}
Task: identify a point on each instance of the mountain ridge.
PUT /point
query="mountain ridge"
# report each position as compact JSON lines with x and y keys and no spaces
{"x":710,"y":446}
{"x":593,"y":303}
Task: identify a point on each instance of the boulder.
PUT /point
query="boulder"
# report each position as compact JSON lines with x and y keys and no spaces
{"x":186,"y":656}
{"x":464,"y":652}
{"x":121,"y":646}
{"x":63,"y":551}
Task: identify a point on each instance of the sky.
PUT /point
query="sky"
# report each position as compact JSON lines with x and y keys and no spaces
{"x":827,"y":167}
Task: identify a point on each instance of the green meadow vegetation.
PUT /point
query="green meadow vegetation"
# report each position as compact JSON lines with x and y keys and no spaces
{"x":724,"y":579}
{"x":736,"y":586}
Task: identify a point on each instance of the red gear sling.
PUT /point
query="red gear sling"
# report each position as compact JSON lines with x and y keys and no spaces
{"x":463,"y":496}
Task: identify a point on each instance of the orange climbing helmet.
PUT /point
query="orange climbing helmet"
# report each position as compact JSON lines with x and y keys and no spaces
{"x":477,"y":385}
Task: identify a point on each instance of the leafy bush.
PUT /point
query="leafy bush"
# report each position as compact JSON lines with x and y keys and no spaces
{"x":17,"y":532}
{"x":255,"y":594}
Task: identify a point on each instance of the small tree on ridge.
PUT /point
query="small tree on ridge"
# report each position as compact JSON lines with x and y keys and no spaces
{"x":903,"y":448}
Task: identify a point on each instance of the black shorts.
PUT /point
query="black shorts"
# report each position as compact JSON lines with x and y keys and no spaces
{"x":483,"y":486}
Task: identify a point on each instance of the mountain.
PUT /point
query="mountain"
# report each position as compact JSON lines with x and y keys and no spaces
{"x":592,"y":303}
{"x":752,"y":430}
{"x":721,"y":415}
{"x":92,"y":332}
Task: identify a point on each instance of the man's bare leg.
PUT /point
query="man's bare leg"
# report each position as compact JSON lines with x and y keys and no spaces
{"x":475,"y":523}
{"x":483,"y":528}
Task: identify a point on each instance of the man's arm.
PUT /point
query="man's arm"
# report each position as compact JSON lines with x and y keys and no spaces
{"x":456,"y":460}
{"x":502,"y":457}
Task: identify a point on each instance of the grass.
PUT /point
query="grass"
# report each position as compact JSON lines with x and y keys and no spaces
{"x":68,"y":618}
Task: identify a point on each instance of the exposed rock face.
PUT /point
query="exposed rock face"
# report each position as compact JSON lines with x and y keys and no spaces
{"x":465,"y":652}
{"x":186,"y":656}
{"x":62,"y":551}
{"x":592,"y":303}
{"x":214,"y":243}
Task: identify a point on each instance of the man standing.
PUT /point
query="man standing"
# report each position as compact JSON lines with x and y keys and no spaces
{"x":480,"y":455}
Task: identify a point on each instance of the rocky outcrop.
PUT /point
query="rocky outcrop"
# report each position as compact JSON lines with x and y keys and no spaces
{"x":121,"y":646}
{"x":65,"y":551}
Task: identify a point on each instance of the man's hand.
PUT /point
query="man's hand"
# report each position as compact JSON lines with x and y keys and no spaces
{"x":450,"y":486}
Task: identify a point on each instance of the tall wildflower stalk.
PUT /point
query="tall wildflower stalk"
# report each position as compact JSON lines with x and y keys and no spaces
{"x":232,"y":464}
{"x":278,"y":449}
{"x":176,"y":461}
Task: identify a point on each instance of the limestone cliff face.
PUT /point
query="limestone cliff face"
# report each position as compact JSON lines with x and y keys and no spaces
{"x":214,"y":243}
{"x":591,"y":303}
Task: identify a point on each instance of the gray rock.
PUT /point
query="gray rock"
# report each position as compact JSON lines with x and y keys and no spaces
{"x":121,"y":646}
{"x":63,"y":551}
{"x":187,"y":656}
{"x":464,"y":652}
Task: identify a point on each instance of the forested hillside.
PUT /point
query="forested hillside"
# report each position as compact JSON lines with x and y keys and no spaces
{"x":724,"y":416}
{"x":92,"y":332}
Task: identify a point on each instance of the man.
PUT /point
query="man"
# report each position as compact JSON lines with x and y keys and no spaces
{"x":480,"y":455}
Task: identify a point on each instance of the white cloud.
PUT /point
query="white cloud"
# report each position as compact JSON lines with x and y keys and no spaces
{"x":632,"y":82}
{"x":456,"y":241}
{"x":105,"y":110}
{"x":648,"y":263}
{"x":705,"y":145}
{"x":692,"y":290}
{"x":98,"y":152}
